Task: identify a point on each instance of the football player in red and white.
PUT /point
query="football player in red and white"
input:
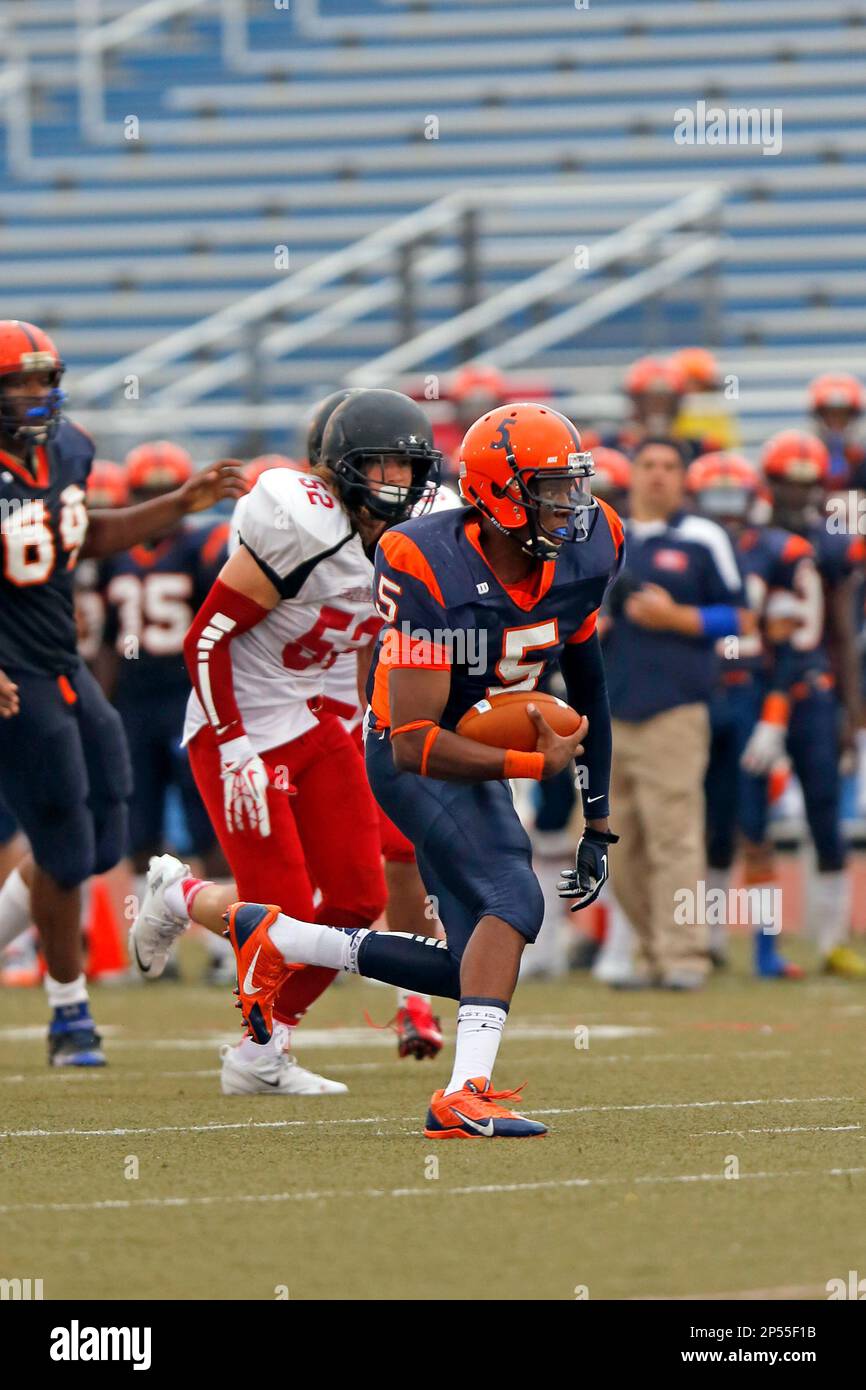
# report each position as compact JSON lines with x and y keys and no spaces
{"x":285,"y":788}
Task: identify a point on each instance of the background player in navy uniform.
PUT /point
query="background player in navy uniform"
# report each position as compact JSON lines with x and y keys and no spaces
{"x":824,"y":712}
{"x":508,"y":572}
{"x":756,"y":673}
{"x":64,"y":768}
{"x":151,"y":594}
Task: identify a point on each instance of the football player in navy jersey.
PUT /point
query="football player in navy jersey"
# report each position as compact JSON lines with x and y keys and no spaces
{"x":473,"y":601}
{"x":820,"y":716}
{"x":836,"y":402}
{"x":151,"y":594}
{"x":756,"y":674}
{"x":64,"y":767}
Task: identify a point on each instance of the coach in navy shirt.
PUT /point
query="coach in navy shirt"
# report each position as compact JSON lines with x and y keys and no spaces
{"x":681,"y":590}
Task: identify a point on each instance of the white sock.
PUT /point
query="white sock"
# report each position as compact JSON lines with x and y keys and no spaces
{"x":14,"y":908}
{"x":59,"y":995}
{"x":718,"y":878}
{"x":251,"y":1051}
{"x":311,"y":943}
{"x":828,"y":909}
{"x":403,"y":995}
{"x":479,"y":1033}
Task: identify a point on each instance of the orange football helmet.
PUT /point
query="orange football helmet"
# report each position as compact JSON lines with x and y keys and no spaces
{"x":699,"y":368}
{"x":653,"y":376}
{"x":107,"y":485}
{"x":158,"y":467}
{"x":795,"y":457}
{"x":613,"y":469}
{"x":257,"y":466}
{"x":514,"y":464}
{"x":24,"y":348}
{"x":724,"y":484}
{"x":836,"y":391}
{"x":477,"y":381}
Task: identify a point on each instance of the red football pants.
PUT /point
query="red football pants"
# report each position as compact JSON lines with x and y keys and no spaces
{"x":325,"y":836}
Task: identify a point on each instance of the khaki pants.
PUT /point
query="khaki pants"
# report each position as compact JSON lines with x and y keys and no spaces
{"x":657,"y":808}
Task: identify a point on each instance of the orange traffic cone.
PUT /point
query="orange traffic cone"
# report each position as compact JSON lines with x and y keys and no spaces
{"x":106,"y":954}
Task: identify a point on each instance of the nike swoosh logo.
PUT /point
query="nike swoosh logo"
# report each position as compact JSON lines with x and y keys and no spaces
{"x":486,"y":1129}
{"x":145,"y":969}
{"x":590,"y":799}
{"x":248,"y":978}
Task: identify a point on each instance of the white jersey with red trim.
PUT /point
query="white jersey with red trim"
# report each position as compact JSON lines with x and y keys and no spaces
{"x":340,"y":684}
{"x":295,"y":528}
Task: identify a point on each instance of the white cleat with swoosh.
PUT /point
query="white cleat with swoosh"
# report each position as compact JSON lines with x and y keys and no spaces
{"x":155,"y":929}
{"x":272,"y":1074}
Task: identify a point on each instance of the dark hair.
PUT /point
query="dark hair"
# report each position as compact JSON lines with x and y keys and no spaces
{"x":663,"y":441}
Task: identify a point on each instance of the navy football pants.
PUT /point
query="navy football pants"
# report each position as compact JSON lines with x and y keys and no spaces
{"x":473,"y":854}
{"x":65,"y":775}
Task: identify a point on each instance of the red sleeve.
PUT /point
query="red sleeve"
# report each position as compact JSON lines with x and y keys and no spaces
{"x":224,"y":614}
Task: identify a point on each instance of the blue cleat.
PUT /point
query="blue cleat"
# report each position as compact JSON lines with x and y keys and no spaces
{"x":72,"y":1038}
{"x":769,"y":965}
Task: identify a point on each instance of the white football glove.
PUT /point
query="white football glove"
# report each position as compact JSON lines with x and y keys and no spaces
{"x":245,"y":785}
{"x":765,"y":748}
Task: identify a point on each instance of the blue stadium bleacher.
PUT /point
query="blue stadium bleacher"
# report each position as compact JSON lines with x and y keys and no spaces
{"x":306,"y":130}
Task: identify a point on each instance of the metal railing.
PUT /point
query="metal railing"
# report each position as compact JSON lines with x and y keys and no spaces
{"x":97,"y":39}
{"x":637,"y":239}
{"x":246,"y":339}
{"x":15,"y":95}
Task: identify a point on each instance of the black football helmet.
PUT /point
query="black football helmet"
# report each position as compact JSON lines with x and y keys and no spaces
{"x":368,"y":427}
{"x":321,"y":415}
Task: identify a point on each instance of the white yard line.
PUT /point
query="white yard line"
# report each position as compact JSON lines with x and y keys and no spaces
{"x":695,"y":1104}
{"x":218,"y":1127}
{"x":431,"y":1189}
{"x":785,"y":1129}
{"x":337,"y":1037}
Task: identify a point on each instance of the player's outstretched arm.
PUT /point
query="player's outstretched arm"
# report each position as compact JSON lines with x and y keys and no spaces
{"x":119,"y":529}
{"x":417,"y":699}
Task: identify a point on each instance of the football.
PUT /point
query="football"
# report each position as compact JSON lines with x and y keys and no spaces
{"x":502,"y":722}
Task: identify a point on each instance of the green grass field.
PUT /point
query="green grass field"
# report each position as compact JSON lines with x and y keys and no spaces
{"x":337,"y":1197}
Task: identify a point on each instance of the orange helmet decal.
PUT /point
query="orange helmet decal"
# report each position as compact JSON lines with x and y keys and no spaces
{"x":157,"y":466}
{"x":795,"y":456}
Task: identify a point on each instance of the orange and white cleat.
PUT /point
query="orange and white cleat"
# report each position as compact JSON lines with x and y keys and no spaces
{"x":261,"y":968}
{"x":419,"y":1032}
{"x":474,"y":1113}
